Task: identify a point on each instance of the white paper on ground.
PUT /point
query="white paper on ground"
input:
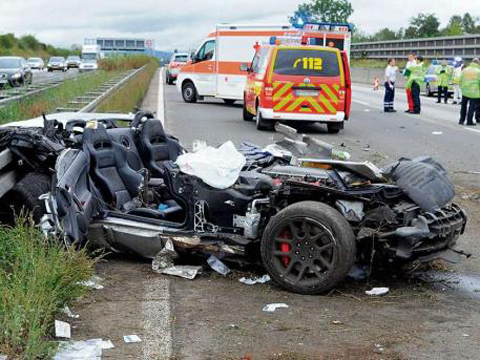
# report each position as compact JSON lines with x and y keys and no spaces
{"x":274,"y":306}
{"x":186,"y":271}
{"x":66,"y":310}
{"x":252,"y":281}
{"x":62,"y":329}
{"x":94,"y":283}
{"x":217,"y":167}
{"x":376,"y":291}
{"x":131,"y":338}
{"x":107,"y":344}
{"x":80,"y":350}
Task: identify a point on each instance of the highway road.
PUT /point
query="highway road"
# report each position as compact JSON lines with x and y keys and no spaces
{"x":40,"y":76}
{"x":388,"y":137}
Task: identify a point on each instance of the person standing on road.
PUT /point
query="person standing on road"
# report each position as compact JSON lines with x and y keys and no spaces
{"x":457,"y":72}
{"x":390,"y":78}
{"x":415,"y":76}
{"x":470,"y":86}
{"x":443,"y":80}
{"x":411,"y":62}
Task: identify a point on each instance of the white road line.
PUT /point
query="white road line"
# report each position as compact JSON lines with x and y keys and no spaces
{"x":362,"y":102}
{"x":156,"y":310}
{"x":470,"y":129}
{"x":161,"y":99}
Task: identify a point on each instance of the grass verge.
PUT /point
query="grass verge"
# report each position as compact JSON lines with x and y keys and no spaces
{"x":125,"y":62}
{"x":131,"y":95}
{"x":49,"y":100}
{"x":37,"y":278}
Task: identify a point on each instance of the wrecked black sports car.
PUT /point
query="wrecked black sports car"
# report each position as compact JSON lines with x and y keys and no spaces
{"x":307,"y":216}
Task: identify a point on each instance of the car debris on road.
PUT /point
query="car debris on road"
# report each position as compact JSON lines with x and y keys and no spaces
{"x":377,"y":291}
{"x":132,"y":338}
{"x":255,"y":280}
{"x":62,"y":329}
{"x":274,"y":306}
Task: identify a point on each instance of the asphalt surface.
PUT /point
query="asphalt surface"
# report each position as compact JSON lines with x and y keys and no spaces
{"x":40,"y":76}
{"x":387,"y":137}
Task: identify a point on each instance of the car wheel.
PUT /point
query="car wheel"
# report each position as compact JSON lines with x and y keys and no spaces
{"x":246,"y":114}
{"x":262,"y":124}
{"x":308,"y":247}
{"x":25,"y":195}
{"x":189,"y":93}
{"x":428,"y":90}
{"x":229,"y":101}
{"x":333,"y":128}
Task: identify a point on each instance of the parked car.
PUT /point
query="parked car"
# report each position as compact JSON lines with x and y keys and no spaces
{"x":14,"y":71}
{"x":73,"y":61}
{"x":177,"y":61}
{"x":57,"y":63}
{"x":430,"y":81}
{"x":36,"y":63}
{"x":305,"y":215}
{"x":88,"y":65}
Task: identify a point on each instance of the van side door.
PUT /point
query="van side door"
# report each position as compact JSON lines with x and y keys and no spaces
{"x":205,"y":69}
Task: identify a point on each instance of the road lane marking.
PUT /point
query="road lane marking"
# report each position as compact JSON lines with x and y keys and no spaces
{"x":362,"y":102}
{"x":161,"y":99}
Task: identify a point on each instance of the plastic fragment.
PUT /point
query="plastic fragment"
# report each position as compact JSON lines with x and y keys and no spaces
{"x":437,"y":132}
{"x":80,"y":350}
{"x":93,"y":282}
{"x":62,"y":329}
{"x":217,"y":265}
{"x":256,"y":280}
{"x":132,"y":339}
{"x":274,"y":306}
{"x":66,"y":310}
{"x":163,"y":263}
{"x":377,"y":291}
{"x":185,"y":271}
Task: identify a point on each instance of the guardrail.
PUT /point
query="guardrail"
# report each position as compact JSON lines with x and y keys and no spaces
{"x":446,"y":47}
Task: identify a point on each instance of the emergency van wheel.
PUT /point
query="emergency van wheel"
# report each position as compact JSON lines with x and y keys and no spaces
{"x":263,"y":124}
{"x":229,"y":101}
{"x":308,"y":247}
{"x":246,"y":115}
{"x":334,"y":128}
{"x":189,"y":92}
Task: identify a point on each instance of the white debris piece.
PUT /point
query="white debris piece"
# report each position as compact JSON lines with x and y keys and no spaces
{"x":217,"y":265}
{"x":274,"y":306}
{"x":132,"y":339}
{"x":94,"y":283}
{"x":437,"y":132}
{"x":80,"y":350}
{"x":217,"y":167}
{"x":252,"y":281}
{"x":186,"y":271}
{"x":377,"y":291}
{"x":66,"y":310}
{"x":163,"y":263}
{"x":62,"y":329}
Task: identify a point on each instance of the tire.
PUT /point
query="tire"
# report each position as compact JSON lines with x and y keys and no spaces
{"x":25,"y":195}
{"x":333,"y":128}
{"x":189,"y":93}
{"x":246,"y":115}
{"x":262,"y":124}
{"x":229,"y":101}
{"x":307,"y":253}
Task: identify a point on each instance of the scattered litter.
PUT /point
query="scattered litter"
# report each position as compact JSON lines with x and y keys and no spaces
{"x":337,"y":322}
{"x":274,"y":306}
{"x":379,"y":349}
{"x":357,"y":273}
{"x":252,"y":281}
{"x":437,"y":132}
{"x":163,"y":263}
{"x":366,"y":110}
{"x":217,"y":265}
{"x":80,"y":350}
{"x":132,"y":339}
{"x":185,"y":271}
{"x":341,"y":155}
{"x":107,"y":344}
{"x":62,"y":329}
{"x":343,"y":145}
{"x":377,"y":291}
{"x":465,"y":335}
{"x":366,"y":147}
{"x":66,"y":310}
{"x":94,"y":283}
{"x":233,"y":326}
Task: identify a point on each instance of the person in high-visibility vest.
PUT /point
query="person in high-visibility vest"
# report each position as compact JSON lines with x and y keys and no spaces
{"x":443,"y":80}
{"x":411,"y":62}
{"x":470,"y":86}
{"x":457,"y":72}
{"x":415,"y":74}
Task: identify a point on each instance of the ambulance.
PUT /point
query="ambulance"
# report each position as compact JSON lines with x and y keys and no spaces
{"x":217,"y":69}
{"x":293,"y":79}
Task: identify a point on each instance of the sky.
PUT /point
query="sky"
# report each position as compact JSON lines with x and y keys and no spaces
{"x":183,"y":24}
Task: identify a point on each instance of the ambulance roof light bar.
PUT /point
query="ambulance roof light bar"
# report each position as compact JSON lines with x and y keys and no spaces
{"x":293,"y":39}
{"x":326,"y":26}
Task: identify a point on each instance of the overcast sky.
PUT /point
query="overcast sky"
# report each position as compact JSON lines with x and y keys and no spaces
{"x":183,"y":24}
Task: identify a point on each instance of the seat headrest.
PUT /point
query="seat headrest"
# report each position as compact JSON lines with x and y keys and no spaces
{"x":153,"y":130}
{"x":96,"y":136}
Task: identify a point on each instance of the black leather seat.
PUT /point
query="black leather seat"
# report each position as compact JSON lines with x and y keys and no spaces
{"x":156,"y":147}
{"x":117,"y":182}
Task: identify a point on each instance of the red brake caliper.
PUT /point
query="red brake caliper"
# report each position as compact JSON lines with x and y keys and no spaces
{"x":285,"y":247}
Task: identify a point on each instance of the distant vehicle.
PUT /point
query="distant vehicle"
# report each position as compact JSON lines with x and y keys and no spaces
{"x":73,"y":61}
{"x":215,"y":67}
{"x":177,"y":61}
{"x":297,"y":83}
{"x":90,"y":52}
{"x":14,"y":71}
{"x":36,"y":63}
{"x":430,"y":80}
{"x":57,"y":63}
{"x":88,"y":65}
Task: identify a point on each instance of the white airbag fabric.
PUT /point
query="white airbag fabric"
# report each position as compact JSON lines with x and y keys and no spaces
{"x":217,"y":167}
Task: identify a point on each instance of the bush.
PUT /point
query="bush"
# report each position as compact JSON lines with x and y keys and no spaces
{"x":7,"y":41}
{"x":37,"y":278}
{"x":29,"y":42}
{"x":125,"y":62}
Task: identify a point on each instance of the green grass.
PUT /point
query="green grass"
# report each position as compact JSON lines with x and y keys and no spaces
{"x":132,"y":94}
{"x":49,"y":100}
{"x":37,"y":278}
{"x":126,"y":62}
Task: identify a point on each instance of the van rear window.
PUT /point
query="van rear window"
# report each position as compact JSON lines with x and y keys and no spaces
{"x":306,"y":62}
